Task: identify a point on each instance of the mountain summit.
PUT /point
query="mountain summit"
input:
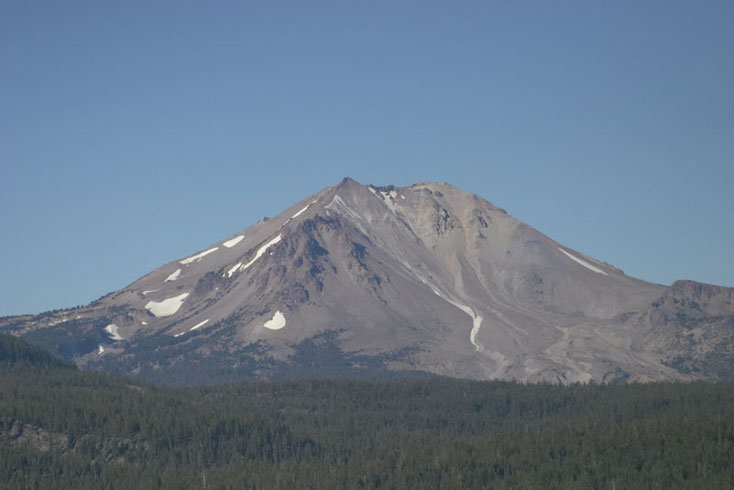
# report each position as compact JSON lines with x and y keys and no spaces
{"x":363,"y":280}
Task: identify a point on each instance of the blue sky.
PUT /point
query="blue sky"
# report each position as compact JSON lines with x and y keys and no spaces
{"x":134,"y":133}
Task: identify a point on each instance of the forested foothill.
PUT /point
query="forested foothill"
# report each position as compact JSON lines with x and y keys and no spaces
{"x":65,"y":428}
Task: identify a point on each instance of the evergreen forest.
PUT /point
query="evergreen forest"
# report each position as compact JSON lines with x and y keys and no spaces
{"x":62,"y":428}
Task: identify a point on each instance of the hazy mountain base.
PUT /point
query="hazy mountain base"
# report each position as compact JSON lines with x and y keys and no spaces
{"x":319,"y":356}
{"x":62,"y":428}
{"x":692,"y":341}
{"x":210,"y":356}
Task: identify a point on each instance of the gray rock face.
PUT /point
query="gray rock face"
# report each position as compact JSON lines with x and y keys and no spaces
{"x":425,"y":278}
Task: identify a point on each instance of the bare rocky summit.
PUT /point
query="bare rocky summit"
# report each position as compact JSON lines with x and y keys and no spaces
{"x":371,"y":281}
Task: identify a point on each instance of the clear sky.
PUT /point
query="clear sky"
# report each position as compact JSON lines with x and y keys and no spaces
{"x":135,"y":133}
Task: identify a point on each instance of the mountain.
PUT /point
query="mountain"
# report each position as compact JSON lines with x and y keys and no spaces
{"x":369,"y":281}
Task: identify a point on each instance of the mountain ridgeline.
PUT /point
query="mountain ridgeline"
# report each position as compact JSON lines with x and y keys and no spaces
{"x":377,"y":282}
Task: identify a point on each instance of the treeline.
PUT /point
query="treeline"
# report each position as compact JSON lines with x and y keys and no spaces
{"x":62,"y":428}
{"x":16,"y":353}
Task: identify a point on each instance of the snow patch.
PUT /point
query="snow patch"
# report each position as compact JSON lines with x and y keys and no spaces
{"x":144,"y":322}
{"x":111,"y":329}
{"x":56,"y":322}
{"x":234,"y":269}
{"x":200,"y":324}
{"x":100,"y":349}
{"x":583,"y":262}
{"x":476,"y":325}
{"x":149,"y":291}
{"x":173,"y":276}
{"x":402,"y":197}
{"x":167,"y":307}
{"x":499,"y":358}
{"x":260,"y":251}
{"x":231,"y":243}
{"x":197,"y":257}
{"x":300,"y":212}
{"x":277,"y":322}
{"x":476,"y":319}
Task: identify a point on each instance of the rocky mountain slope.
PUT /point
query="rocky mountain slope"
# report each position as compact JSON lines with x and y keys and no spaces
{"x":371,"y":281}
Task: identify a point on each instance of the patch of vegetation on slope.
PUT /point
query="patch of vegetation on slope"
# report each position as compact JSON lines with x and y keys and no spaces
{"x":72,"y":338}
{"x":15,"y":352}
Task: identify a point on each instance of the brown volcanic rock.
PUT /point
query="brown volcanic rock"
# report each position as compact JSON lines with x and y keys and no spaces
{"x":691,"y":327}
{"x":700,"y":296}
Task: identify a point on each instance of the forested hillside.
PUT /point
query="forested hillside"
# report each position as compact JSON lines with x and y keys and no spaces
{"x":61,"y":428}
{"x":17,"y":354}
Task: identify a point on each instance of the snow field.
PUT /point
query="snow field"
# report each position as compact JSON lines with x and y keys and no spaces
{"x":200,"y":324}
{"x":234,"y":241}
{"x":111,"y":330}
{"x":173,"y":276}
{"x":234,"y":269}
{"x":583,"y":262}
{"x":261,"y":251}
{"x":167,"y":307}
{"x":197,"y":257}
{"x":277,"y":322}
{"x":300,"y":212}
